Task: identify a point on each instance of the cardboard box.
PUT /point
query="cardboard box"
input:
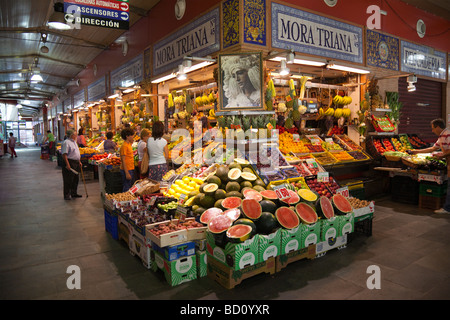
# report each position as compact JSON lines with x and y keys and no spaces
{"x":139,"y":247}
{"x":124,"y":230}
{"x":346,"y":224}
{"x":234,"y":255}
{"x":310,"y":234}
{"x":177,"y":271}
{"x":332,"y":243}
{"x":269,"y":245}
{"x":229,"y":277}
{"x":329,"y":228}
{"x":304,"y":253}
{"x":176,"y":251}
{"x":291,"y":240}
{"x":202,"y":263}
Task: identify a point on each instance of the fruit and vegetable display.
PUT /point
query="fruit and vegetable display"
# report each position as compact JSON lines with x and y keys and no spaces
{"x":382,"y":124}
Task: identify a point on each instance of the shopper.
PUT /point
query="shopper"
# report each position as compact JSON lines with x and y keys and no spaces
{"x":81,"y":140}
{"x":50,"y":138}
{"x":158,"y":152}
{"x":443,"y":143}
{"x":127,"y":159}
{"x":12,"y":145}
{"x":142,"y":149}
{"x":72,"y":164}
{"x":109,"y":145}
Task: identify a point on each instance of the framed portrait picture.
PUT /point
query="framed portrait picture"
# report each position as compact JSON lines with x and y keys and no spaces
{"x":241,"y":81}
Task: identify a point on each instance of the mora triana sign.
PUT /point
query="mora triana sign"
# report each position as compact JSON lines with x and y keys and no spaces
{"x":312,"y":34}
{"x":201,"y":38}
{"x":98,"y":13}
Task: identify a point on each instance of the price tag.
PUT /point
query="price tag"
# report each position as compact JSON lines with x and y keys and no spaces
{"x":134,"y":188}
{"x":296,"y":137}
{"x":322,"y":176}
{"x":181,"y":214}
{"x":315,"y":141}
{"x":282,"y":192}
{"x":329,"y":140}
{"x":343,"y":191}
{"x":182,"y":198}
{"x":311,"y":163}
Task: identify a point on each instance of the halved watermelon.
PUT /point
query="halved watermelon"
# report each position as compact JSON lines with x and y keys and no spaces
{"x":234,"y":213}
{"x":231,"y":202}
{"x":247,"y":222}
{"x":293,"y":200}
{"x":341,"y":205}
{"x":239,"y":233}
{"x":219,"y":224}
{"x":208,"y":214}
{"x":306,"y":213}
{"x":287,"y":218}
{"x":269,"y":195}
{"x":324,"y":208}
{"x":252,"y":194}
{"x":308,"y":196}
{"x":251,"y":209}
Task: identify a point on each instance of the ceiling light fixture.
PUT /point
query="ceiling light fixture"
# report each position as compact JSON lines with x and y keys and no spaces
{"x":284,"y":71}
{"x":348,"y":69}
{"x":304,"y":61}
{"x":56,"y":20}
{"x":181,"y":74}
{"x":36,"y":75}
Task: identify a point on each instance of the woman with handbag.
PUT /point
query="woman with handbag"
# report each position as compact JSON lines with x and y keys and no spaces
{"x":158,"y":152}
{"x":143,"y":154}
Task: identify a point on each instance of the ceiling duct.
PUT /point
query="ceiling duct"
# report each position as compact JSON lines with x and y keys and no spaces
{"x":75,"y":83}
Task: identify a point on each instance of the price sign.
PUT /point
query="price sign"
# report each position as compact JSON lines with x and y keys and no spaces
{"x":311,"y":163}
{"x":296,"y":137}
{"x":181,"y":214}
{"x":282,"y":192}
{"x":134,"y":188}
{"x":182,"y":198}
{"x":315,"y":141}
{"x":343,"y":191}
{"x":329,"y":140}
{"x":322,"y":176}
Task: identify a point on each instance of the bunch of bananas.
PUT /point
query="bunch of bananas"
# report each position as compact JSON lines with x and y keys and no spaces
{"x":342,"y":100}
{"x":326,"y":112}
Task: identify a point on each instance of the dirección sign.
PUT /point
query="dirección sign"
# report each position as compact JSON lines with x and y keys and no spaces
{"x":102,"y":13}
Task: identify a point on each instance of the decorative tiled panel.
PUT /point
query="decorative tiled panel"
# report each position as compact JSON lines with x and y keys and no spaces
{"x":255,"y":22}
{"x":382,"y":50}
{"x":230,"y":9}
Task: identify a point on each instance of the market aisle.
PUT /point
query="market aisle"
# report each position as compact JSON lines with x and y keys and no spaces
{"x":42,"y":235}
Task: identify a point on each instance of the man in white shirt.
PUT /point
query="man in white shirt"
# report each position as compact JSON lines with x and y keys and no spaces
{"x":71,"y":161}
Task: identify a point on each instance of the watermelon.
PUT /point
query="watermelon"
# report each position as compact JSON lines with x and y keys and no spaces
{"x":269,"y":195}
{"x":252,"y":194}
{"x":324,"y":208}
{"x":209,"y":214}
{"x":251,"y":209}
{"x":239,"y":233}
{"x":231,"y":202}
{"x":267,"y":223}
{"x":308,"y":196}
{"x":287,"y":218}
{"x":247,"y":222}
{"x":218,"y":226}
{"x":341,"y":205}
{"x":293,"y":200}
{"x":233,"y":214}
{"x":268,"y":206}
{"x":306,"y":213}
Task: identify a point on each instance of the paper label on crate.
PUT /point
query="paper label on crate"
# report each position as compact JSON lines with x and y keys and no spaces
{"x":322,"y":176}
{"x":282,"y":192}
{"x":344,"y":191}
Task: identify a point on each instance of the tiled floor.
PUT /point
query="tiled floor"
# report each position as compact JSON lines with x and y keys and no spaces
{"x":42,"y":235}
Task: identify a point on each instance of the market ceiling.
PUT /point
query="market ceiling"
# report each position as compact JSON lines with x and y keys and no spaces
{"x":25,"y":36}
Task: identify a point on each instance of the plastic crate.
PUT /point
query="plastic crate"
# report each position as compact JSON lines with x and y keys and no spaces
{"x":405,"y":190}
{"x":430,"y":202}
{"x":111,"y":224}
{"x":432,"y":189}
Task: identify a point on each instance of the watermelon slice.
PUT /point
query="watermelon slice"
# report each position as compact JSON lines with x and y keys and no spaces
{"x":219,"y":224}
{"x":341,"y":205}
{"x":251,"y":209}
{"x":269,"y":195}
{"x":287,"y":218}
{"x":306,"y":213}
{"x":233,"y":214}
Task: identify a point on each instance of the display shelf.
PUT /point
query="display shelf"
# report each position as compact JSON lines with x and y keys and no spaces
{"x":243,"y":113}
